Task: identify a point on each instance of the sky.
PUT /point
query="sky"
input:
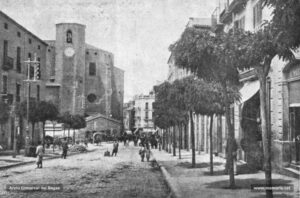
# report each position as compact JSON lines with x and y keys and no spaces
{"x":137,"y":32}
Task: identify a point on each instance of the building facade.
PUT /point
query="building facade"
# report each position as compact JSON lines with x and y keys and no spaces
{"x":76,"y":76}
{"x":283,"y":88}
{"x":83,"y":78}
{"x":143,"y":112}
{"x":128,"y":116}
{"x":17,"y":45}
{"x":283,"y":95}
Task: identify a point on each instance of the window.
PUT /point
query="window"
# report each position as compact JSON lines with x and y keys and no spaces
{"x":4,"y":84}
{"x":147,"y":115}
{"x":18,"y":91}
{"x":19,"y":34}
{"x":6,"y":26}
{"x":87,"y":52}
{"x":146,"y":105}
{"x":257,"y":14}
{"x":240,"y":24}
{"x":29,"y":41}
{"x":69,"y":36}
{"x":38,"y":92}
{"x":91,"y":98}
{"x":5,"y":47}
{"x":18,"y":59}
{"x":39,"y":70}
{"x":31,"y":68}
{"x":39,"y":47}
{"x":49,"y":50}
{"x":92,"y":69}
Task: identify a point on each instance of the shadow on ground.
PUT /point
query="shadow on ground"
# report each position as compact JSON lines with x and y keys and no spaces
{"x":241,"y":169}
{"x":245,"y":183}
{"x":198,"y":165}
{"x":281,"y":195}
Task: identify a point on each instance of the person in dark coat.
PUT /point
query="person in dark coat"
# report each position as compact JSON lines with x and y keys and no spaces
{"x":65,"y":148}
{"x":115,"y":148}
{"x":142,"y":152}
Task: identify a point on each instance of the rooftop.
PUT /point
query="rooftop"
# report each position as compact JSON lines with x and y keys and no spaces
{"x":21,"y":27}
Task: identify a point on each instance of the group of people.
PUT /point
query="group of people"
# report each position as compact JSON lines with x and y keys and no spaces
{"x":145,"y":151}
{"x":40,"y":151}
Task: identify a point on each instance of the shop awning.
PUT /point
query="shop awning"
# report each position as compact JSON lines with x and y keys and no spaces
{"x":249,"y":89}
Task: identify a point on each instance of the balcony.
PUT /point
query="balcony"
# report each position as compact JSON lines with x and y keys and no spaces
{"x":8,"y":63}
{"x":234,"y":7}
{"x":147,"y":119}
{"x":247,"y":74}
{"x":216,"y":25}
{"x":18,"y":98}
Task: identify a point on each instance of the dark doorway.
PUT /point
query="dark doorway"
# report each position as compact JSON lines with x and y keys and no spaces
{"x":251,"y":143}
{"x":295,"y":130}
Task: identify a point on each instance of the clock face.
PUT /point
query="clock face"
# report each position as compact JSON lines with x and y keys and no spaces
{"x":69,"y":52}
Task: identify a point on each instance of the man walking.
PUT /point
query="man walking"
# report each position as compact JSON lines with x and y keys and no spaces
{"x":142,"y":153}
{"x":64,"y":148}
{"x":39,"y":153}
{"x":115,"y":148}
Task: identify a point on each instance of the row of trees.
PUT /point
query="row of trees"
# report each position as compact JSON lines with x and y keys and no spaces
{"x":217,"y":57}
{"x":175,"y":104}
{"x":41,"y":111}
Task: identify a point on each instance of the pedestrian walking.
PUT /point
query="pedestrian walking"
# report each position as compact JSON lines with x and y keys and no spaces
{"x":86,"y":142}
{"x":65,"y":148}
{"x":39,"y":155}
{"x":142,"y":153}
{"x":148,"y":153}
{"x":115,"y":148}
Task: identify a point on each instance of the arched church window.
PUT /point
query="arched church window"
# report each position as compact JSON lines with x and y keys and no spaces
{"x":69,"y":36}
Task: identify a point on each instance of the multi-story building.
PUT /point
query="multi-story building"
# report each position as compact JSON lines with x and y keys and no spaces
{"x":128,"y":116}
{"x":283,"y":92}
{"x":283,"y":88}
{"x":17,"y":45}
{"x":143,"y":112}
{"x":76,"y":76}
{"x":83,"y":76}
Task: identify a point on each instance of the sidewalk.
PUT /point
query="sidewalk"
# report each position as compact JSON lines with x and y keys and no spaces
{"x":7,"y":161}
{"x":188,"y":182}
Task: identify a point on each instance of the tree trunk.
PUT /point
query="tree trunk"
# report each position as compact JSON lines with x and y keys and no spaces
{"x":43,"y":134}
{"x":32,"y":133}
{"x":68,"y":135}
{"x":174,"y":140}
{"x":211,"y":145}
{"x":266,"y":132}
{"x":165,"y":139}
{"x":73,"y":136}
{"x":192,"y":140}
{"x":170,"y":141}
{"x":188,"y":137}
{"x":230,"y":139}
{"x":180,"y":140}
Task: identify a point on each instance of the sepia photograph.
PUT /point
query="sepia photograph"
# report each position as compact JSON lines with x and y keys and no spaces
{"x":150,"y":98}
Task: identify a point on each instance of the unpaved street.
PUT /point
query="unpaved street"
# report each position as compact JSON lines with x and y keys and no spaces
{"x":91,"y":175}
